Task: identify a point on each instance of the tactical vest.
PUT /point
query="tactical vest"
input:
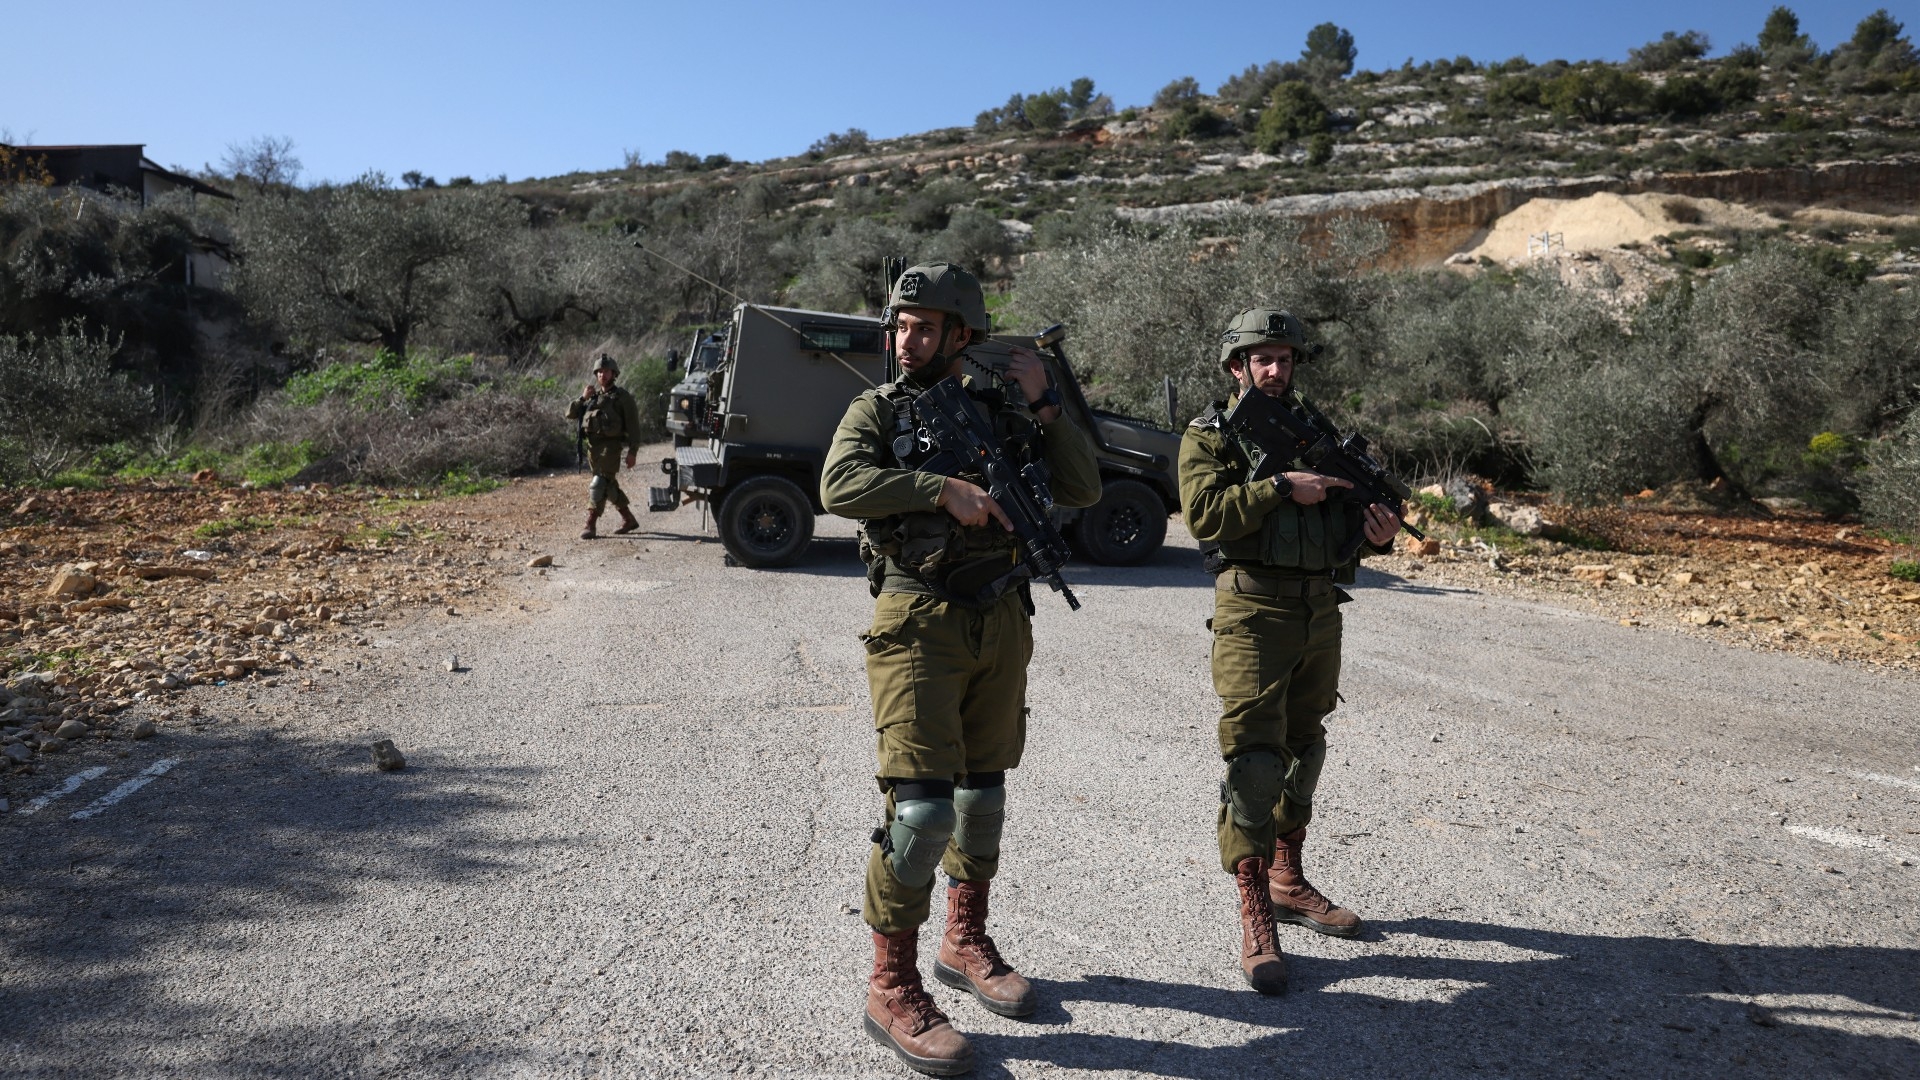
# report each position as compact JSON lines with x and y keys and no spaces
{"x":928,"y":551}
{"x":604,"y":418}
{"x":1292,"y":538}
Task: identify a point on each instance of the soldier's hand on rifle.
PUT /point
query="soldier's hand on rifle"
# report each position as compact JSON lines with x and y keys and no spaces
{"x":970,"y":505}
{"x":1381,"y":525}
{"x":587,"y":392}
{"x":1027,"y":369}
{"x":1311,"y":487}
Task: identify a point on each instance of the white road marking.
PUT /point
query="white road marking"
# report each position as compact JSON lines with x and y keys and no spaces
{"x":1890,"y":781}
{"x":73,"y":783}
{"x":147,"y":776}
{"x":1858,"y":841}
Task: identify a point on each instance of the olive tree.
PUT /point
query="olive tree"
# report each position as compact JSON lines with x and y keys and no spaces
{"x":59,"y":399}
{"x":1143,"y":304}
{"x":361,"y":261}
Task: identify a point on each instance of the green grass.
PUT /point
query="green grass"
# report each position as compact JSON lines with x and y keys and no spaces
{"x":1905,"y":570}
{"x":229,"y":526}
{"x":469,"y":483}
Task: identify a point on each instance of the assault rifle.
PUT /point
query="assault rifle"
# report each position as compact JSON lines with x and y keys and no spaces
{"x":580,"y":441}
{"x":1284,"y":435}
{"x":967,"y":444}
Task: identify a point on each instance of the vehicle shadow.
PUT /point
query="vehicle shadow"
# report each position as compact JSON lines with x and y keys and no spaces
{"x":103,"y":914}
{"x":1512,"y":1001}
{"x":1370,"y":578}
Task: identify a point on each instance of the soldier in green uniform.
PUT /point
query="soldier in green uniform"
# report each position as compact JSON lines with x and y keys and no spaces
{"x":611,"y":419}
{"x":1276,"y":639}
{"x":946,"y":655}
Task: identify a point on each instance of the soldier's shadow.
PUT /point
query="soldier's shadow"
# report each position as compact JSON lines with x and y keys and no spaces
{"x":1509,"y":1000}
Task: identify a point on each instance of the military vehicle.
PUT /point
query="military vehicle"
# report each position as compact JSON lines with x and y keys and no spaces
{"x":758,"y":422}
{"x":687,"y":401}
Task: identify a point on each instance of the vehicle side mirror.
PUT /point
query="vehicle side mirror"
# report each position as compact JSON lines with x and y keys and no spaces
{"x":673,"y":360}
{"x":1173,"y":403}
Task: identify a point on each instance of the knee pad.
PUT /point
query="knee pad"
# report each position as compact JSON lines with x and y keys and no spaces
{"x":918,"y":836}
{"x":597,"y":491}
{"x":1303,"y":776}
{"x":982,"y":811}
{"x":1253,"y":784}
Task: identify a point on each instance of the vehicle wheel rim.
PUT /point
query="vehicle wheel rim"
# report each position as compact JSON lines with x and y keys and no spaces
{"x":768,"y":525}
{"x":1125,"y":526}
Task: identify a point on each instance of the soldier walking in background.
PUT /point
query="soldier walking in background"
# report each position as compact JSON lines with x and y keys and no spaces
{"x":946,"y":657}
{"x":610,"y":419}
{"x":1273,"y":546}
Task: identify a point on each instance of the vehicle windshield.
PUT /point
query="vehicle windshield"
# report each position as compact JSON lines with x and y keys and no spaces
{"x":706,"y":355}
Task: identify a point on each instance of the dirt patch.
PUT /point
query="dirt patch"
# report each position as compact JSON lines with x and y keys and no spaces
{"x":1606,"y":220}
{"x":1790,"y":581}
{"x":129,"y":596}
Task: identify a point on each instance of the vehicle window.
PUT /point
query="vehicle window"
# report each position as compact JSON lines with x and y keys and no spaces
{"x":841,"y":339}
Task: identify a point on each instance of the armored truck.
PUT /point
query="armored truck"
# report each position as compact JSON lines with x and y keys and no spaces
{"x":758,"y":422}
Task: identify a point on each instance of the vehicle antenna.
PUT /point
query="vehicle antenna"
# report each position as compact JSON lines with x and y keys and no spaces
{"x":754,"y":307}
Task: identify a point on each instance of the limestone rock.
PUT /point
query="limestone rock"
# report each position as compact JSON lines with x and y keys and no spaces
{"x":18,"y":753}
{"x":144,"y":730}
{"x":1594,"y":575}
{"x":71,"y":582}
{"x":52,"y":745}
{"x":540,"y":560}
{"x":387,"y":757}
{"x":71,"y":729}
{"x":1428,"y":547}
{"x":1525,"y":520}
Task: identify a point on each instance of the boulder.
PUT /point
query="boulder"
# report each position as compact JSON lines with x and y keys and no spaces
{"x":1525,"y":520}
{"x":71,"y":582}
{"x":387,"y":757}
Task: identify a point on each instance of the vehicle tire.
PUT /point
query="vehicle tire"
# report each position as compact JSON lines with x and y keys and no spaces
{"x":766,"y":521}
{"x":1127,"y":525}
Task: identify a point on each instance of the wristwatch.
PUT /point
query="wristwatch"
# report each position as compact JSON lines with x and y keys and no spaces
{"x":1283,"y":485}
{"x":1051,"y":397}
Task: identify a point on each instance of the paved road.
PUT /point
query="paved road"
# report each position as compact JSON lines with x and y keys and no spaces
{"x":631,"y":837}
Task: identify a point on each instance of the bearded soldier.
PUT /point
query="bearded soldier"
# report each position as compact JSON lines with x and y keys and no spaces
{"x":1274,"y":547}
{"x":610,"y":419}
{"x":946,"y":655}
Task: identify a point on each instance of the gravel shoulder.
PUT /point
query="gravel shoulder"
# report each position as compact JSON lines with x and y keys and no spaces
{"x":630,"y":835}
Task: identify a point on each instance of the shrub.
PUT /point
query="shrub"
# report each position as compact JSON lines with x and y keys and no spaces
{"x":1685,"y":98}
{"x":59,"y":399}
{"x":1177,"y":93}
{"x":1669,"y":52}
{"x":851,"y":141}
{"x":1293,"y":113}
{"x":1890,"y":488}
{"x":1597,"y":95}
{"x":1192,"y":120}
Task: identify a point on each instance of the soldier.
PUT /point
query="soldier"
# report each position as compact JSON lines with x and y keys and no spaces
{"x":946,"y":656}
{"x":1272,"y":545}
{"x":610,"y":419}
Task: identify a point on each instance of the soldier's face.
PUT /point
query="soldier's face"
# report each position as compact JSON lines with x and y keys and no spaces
{"x":604,"y":377}
{"x":1267,"y":368}
{"x":923,"y":334}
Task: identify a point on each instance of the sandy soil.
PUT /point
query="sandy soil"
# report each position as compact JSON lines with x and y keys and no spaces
{"x":1606,"y":220}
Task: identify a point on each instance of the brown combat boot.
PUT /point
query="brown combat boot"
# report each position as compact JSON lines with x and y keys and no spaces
{"x":628,"y":522}
{"x":1295,"y":900}
{"x":970,"y":961}
{"x":1260,"y":959}
{"x":590,"y":533}
{"x":901,"y":1015}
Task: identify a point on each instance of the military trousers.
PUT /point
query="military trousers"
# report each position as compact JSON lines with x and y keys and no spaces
{"x":603,"y":457}
{"x":1276,"y":667}
{"x":949,"y":689}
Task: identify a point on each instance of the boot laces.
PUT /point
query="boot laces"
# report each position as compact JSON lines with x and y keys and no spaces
{"x":1253,"y":899}
{"x":919,"y":1005}
{"x":975,"y":939}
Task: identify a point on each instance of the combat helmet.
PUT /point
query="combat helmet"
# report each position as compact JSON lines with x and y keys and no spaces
{"x":943,"y":287}
{"x":1260,"y":326}
{"x":606,"y":363}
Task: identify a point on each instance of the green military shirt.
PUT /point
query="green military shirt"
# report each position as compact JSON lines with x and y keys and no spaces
{"x":860,"y":479}
{"x":1252,"y":522}
{"x":623,"y":410}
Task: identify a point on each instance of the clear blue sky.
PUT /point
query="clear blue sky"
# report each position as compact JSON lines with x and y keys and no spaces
{"x":483,"y":87}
